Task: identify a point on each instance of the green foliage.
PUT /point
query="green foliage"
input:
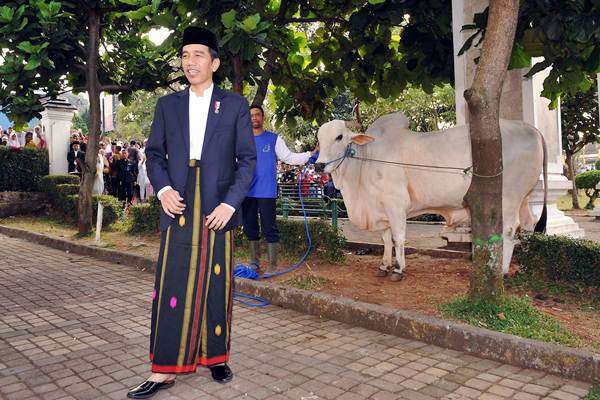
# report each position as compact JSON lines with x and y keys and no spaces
{"x":81,"y":120}
{"x":134,"y":120}
{"x":65,"y":207}
{"x":552,"y":258}
{"x":144,"y":217}
{"x":511,"y":315}
{"x":588,"y":182}
{"x":22,"y":170}
{"x":67,"y":189}
{"x":309,"y":50}
{"x":45,"y":48}
{"x":49,"y":183}
{"x":579,"y":118}
{"x":598,"y":165}
{"x":565,"y":34}
{"x":594,"y":393}
{"x":588,"y":179}
{"x":328,"y":244}
{"x":426,"y":111}
{"x":62,"y":192}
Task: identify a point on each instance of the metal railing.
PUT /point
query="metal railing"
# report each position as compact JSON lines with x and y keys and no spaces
{"x":316,"y":204}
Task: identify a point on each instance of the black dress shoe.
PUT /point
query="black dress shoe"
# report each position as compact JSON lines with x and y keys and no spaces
{"x":149,"y":389}
{"x":221,"y":373}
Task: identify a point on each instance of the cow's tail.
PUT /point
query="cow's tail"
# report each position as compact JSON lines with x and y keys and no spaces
{"x":541,"y":224}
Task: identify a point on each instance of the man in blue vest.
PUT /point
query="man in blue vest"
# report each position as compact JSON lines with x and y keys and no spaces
{"x":263,"y":193}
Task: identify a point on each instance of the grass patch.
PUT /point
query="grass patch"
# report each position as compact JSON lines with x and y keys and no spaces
{"x":565,"y":203}
{"x":511,"y":315}
{"x":307,"y":282}
{"x":594,"y":393}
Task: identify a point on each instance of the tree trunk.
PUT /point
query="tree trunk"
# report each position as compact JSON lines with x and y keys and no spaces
{"x":571,"y":171}
{"x":238,"y":79}
{"x":484,"y":197}
{"x":91,"y":154}
{"x":263,"y":86}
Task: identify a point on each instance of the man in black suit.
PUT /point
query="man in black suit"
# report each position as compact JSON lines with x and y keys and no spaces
{"x":75,"y":157}
{"x":200,"y":160}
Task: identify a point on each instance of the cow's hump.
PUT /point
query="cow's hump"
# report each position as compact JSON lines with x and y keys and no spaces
{"x":391,"y":122}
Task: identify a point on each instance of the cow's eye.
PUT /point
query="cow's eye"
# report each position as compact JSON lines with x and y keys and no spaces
{"x":339,"y":137}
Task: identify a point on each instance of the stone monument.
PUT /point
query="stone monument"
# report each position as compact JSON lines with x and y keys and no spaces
{"x":56,"y":126}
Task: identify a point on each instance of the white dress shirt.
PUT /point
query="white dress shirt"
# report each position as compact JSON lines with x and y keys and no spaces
{"x":199,"y":107}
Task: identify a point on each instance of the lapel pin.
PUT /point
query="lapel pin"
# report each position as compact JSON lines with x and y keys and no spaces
{"x":217,"y":106}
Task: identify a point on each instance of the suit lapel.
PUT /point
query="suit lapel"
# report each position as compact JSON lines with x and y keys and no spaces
{"x":183,"y":111}
{"x":213,"y":117}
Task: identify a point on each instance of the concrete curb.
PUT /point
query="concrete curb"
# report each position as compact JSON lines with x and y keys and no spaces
{"x":510,"y":349}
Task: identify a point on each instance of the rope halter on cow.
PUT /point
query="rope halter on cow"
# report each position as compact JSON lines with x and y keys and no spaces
{"x":351,"y":153}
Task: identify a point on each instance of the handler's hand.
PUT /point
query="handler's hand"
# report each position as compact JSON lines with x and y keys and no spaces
{"x":219,"y":217}
{"x":172,"y":202}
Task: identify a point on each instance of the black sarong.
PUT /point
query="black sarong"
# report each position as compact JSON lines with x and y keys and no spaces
{"x":192,"y":297}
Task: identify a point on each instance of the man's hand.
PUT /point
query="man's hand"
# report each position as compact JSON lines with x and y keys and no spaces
{"x":316,"y":150}
{"x":172,"y":202}
{"x":219,"y":217}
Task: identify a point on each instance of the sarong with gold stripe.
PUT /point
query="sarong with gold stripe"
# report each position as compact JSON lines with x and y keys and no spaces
{"x":192,"y":297}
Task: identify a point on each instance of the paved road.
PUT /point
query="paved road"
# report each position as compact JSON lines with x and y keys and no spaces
{"x":72,"y":327}
{"x":428,"y":235}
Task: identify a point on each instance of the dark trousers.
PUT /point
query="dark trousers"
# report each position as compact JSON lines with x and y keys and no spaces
{"x":251,"y":208}
{"x":129,"y":191}
{"x":192,"y":297}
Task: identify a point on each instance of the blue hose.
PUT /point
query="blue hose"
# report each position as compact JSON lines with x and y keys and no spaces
{"x":250,"y":271}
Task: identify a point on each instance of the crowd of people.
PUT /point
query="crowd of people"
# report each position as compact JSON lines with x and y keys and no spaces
{"x":120,"y":168}
{"x":314,"y":183}
{"x":121,"y":171}
{"x":33,"y":138}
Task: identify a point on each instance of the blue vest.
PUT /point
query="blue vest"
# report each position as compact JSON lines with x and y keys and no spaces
{"x":264,"y":183}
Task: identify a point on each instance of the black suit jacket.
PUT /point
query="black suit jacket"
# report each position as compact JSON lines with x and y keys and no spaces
{"x":71,"y":160}
{"x":228,"y":153}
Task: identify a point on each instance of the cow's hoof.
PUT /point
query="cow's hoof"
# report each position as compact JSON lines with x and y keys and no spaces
{"x":396,"y":277}
{"x":381,"y":273}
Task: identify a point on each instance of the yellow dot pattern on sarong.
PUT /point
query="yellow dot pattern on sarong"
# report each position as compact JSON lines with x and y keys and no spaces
{"x":218,"y":330}
{"x":217,"y":269}
{"x":181,"y":220}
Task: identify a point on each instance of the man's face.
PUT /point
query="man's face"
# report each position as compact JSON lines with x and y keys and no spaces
{"x":257,"y":118}
{"x":75,"y":147}
{"x":197,"y":63}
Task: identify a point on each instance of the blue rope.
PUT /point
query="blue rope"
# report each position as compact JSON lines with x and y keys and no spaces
{"x":250,"y":271}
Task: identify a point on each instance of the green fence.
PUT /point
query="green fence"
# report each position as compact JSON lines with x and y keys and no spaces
{"x":316,"y":204}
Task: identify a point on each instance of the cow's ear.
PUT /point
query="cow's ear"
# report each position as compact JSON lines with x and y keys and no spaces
{"x":362,"y":138}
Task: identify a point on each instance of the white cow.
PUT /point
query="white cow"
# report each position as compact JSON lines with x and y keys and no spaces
{"x":380,"y":195}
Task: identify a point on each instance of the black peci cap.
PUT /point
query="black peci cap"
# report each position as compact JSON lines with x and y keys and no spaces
{"x":197,"y":35}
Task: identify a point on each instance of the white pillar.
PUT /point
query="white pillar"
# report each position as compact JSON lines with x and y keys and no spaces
{"x":596,"y":211}
{"x":521,"y":100}
{"x":56,"y":125}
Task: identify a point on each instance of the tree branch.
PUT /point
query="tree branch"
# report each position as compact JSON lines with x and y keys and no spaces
{"x":115,"y":88}
{"x":315,"y":19}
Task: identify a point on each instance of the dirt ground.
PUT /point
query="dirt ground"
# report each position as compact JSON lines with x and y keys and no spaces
{"x":428,"y":281}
